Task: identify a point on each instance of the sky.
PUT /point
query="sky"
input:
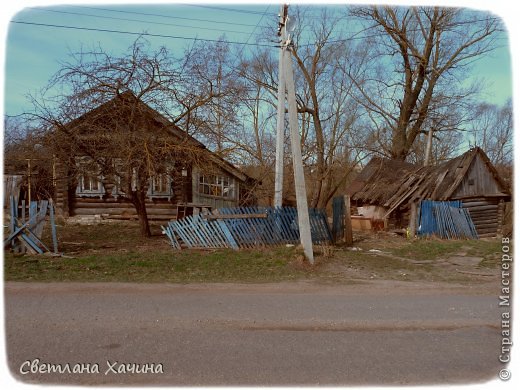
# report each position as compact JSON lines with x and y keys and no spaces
{"x":33,"y":52}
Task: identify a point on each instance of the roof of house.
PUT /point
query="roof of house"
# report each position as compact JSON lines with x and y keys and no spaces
{"x":391,"y":183}
{"x":128,"y":97}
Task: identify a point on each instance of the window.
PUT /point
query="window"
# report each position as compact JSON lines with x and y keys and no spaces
{"x":89,"y":184}
{"x":215,"y":185}
{"x":160,"y":184}
{"x":89,"y":179}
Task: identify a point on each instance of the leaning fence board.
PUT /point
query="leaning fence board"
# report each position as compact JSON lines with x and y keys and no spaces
{"x":31,"y":244}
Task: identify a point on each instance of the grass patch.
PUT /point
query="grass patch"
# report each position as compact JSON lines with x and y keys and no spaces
{"x":275,"y":264}
{"x":431,"y":249}
{"x":116,"y":253}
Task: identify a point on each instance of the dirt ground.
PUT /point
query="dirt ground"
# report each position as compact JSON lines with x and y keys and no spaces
{"x":387,"y":256}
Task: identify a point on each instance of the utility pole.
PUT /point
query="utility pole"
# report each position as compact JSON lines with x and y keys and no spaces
{"x":29,"y":174}
{"x":280,"y":119}
{"x":428,"y":148}
{"x":299,"y":178}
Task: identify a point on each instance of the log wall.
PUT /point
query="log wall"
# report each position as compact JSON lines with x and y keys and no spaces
{"x":119,"y":209}
{"x":486,"y":215}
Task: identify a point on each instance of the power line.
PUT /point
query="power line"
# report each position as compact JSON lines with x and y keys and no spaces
{"x":139,"y":33}
{"x":225,"y":9}
{"x":259,"y":21}
{"x":239,"y":10}
{"x":165,"y":16}
{"x":137,"y":20}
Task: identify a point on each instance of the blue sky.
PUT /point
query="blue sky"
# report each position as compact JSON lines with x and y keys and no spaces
{"x":33,"y":52}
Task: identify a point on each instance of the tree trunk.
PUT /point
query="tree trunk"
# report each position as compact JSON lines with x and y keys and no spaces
{"x":139,"y":202}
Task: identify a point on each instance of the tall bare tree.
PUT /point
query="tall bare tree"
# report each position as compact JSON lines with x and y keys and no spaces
{"x":415,"y":55}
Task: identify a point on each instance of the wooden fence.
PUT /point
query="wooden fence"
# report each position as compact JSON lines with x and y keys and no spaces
{"x":245,"y":227}
{"x":25,"y":234}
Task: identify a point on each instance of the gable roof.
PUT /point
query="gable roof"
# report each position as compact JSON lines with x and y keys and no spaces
{"x":127,"y":97}
{"x":391,"y":183}
{"x":376,"y":182}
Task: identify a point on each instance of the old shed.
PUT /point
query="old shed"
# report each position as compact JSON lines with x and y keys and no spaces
{"x":386,"y":189}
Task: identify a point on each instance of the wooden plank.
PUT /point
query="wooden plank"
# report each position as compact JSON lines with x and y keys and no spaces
{"x":229,"y":237}
{"x":338,"y":218}
{"x":53,"y":227}
{"x":438,"y":183}
{"x":487,"y":235}
{"x":230,"y":234}
{"x":36,"y":240}
{"x":12,"y":221}
{"x":348,"y":222}
{"x":38,"y":229}
{"x":413,"y":219}
{"x":30,"y":244}
{"x":33,"y":211}
{"x":23,"y":211}
{"x":482,"y":208}
{"x":401,"y":200}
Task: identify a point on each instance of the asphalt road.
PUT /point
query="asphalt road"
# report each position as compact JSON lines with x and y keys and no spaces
{"x":273,"y":334}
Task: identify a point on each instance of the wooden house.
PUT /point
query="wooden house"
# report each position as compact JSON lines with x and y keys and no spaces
{"x":183,"y":186}
{"x":385,"y":190}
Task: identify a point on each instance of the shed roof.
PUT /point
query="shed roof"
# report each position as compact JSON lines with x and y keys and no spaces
{"x":391,"y":183}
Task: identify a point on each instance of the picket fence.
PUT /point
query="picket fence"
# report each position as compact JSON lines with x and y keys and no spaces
{"x":245,"y":227}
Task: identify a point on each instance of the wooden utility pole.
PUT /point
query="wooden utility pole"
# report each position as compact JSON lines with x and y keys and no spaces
{"x":428,"y":148}
{"x":299,"y":178}
{"x":280,"y":119}
{"x":29,"y":174}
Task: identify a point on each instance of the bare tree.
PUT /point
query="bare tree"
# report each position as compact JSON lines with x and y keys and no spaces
{"x":415,"y":55}
{"x":492,"y":130}
{"x":328,"y":114}
{"x":120,"y":138}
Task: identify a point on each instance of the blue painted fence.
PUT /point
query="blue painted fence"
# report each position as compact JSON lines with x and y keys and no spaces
{"x":446,"y":220}
{"x":266,"y":226}
{"x":26,"y":235}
